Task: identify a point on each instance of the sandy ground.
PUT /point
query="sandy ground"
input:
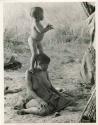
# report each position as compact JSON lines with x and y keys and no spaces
{"x":64,"y":73}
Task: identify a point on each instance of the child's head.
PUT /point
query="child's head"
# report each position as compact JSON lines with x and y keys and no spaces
{"x":43,"y":60}
{"x":37,"y":13}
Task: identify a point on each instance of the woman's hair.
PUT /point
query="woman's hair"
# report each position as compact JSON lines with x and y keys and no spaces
{"x":42,"y":59}
{"x":35,"y":11}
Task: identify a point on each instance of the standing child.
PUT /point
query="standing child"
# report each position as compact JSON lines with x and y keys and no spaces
{"x":37,"y":33}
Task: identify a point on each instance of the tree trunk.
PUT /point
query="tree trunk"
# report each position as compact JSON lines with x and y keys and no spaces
{"x":89,"y":113}
{"x":88,"y":69}
{"x":88,"y":62}
{"x":88,"y":8}
{"x":88,"y":66}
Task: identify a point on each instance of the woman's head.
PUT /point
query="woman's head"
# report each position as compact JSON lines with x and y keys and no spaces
{"x":43,"y":61}
{"x":37,"y":13}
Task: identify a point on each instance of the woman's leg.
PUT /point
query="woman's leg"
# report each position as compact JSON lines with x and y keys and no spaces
{"x":41,"y":111}
{"x":20,"y":103}
{"x":32,"y":103}
{"x":32,"y":107}
{"x":32,"y":110}
{"x":36,"y":107}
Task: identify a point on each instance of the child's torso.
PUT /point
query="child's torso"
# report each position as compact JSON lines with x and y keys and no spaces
{"x":36,"y":33}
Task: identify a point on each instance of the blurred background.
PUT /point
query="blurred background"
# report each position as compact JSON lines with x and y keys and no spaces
{"x":17,"y":19}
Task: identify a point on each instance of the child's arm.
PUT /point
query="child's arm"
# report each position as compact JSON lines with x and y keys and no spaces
{"x":47,"y":28}
{"x":29,"y":86}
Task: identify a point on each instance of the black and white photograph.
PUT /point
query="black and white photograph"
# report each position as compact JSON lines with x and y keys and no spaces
{"x":49,"y":62}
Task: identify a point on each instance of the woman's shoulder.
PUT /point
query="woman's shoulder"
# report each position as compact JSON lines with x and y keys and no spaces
{"x":37,"y":70}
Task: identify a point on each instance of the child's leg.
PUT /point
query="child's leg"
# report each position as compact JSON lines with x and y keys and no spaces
{"x":40,"y":48}
{"x":33,"y":48}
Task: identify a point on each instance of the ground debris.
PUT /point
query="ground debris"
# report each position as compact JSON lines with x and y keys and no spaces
{"x":12,"y":64}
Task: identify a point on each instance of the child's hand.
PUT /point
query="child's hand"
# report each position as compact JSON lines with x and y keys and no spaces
{"x":49,"y":27}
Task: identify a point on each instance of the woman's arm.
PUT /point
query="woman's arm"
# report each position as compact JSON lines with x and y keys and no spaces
{"x":29,"y":82}
{"x":52,"y":88}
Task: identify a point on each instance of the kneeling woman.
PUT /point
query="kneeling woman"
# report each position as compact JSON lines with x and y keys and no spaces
{"x":42,"y":98}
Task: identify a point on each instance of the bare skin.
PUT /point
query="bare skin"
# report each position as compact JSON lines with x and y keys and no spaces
{"x":34,"y":104}
{"x":30,"y":94}
{"x":37,"y":34}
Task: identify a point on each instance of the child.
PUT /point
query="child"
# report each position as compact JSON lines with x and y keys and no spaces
{"x":37,"y":33}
